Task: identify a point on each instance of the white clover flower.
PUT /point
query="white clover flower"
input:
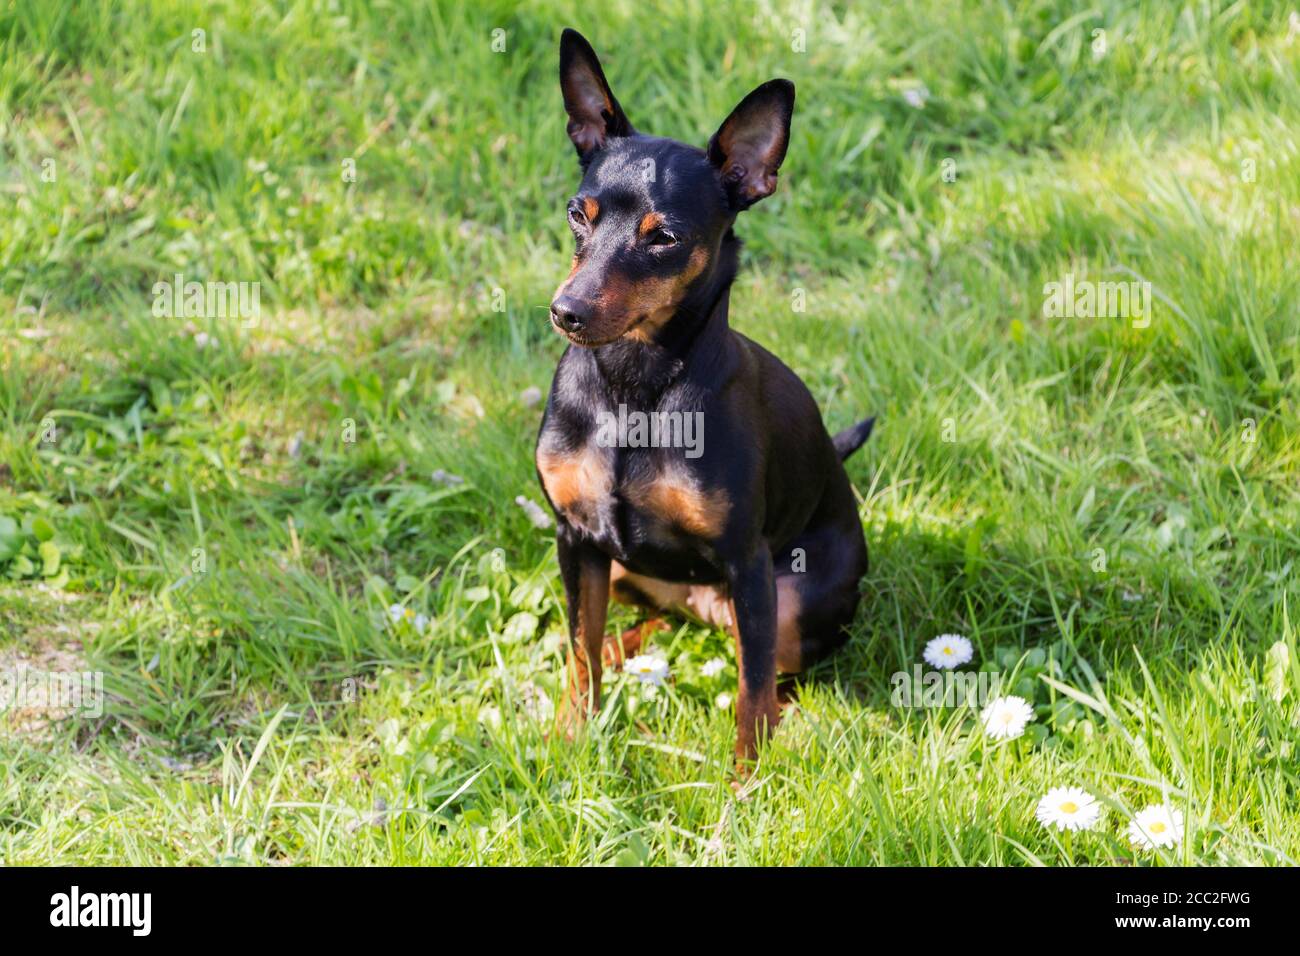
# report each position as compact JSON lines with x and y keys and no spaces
{"x":1068,"y":808}
{"x":713,"y":667}
{"x":444,"y":477}
{"x":916,"y":96}
{"x":1156,"y":825}
{"x":536,"y":515}
{"x":647,"y":668}
{"x":948,"y":651}
{"x":1005,"y":717}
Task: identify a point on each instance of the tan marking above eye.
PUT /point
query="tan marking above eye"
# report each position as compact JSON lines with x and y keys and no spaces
{"x":649,"y":223}
{"x":590,"y":208}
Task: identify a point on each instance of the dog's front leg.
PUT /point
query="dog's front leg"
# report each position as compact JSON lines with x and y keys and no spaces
{"x":753,"y":595}
{"x":585,"y":572}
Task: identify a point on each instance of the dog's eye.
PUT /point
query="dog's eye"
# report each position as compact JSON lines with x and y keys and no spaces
{"x":577,"y":216}
{"x":662,"y":239}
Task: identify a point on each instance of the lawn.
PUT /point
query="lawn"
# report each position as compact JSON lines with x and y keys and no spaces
{"x":216,"y":515}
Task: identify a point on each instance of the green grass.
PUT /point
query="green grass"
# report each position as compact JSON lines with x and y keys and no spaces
{"x":225,"y":557}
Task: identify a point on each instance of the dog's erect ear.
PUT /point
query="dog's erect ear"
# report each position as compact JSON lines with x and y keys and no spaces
{"x":750,"y":145}
{"x":594,"y":114}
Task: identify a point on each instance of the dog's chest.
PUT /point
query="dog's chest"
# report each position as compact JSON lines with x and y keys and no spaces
{"x":624,"y":498}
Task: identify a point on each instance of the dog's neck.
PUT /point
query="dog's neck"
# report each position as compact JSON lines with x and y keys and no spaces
{"x":636,"y":372}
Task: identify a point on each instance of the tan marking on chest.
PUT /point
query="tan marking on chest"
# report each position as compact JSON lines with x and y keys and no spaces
{"x":676,"y":501}
{"x":575,"y":481}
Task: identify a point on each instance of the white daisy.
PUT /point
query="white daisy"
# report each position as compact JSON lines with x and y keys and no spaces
{"x":722,"y":701}
{"x":712,"y":668}
{"x":1005,"y":717}
{"x":1068,"y":808}
{"x":947,"y":651}
{"x":647,"y":668}
{"x":396,"y":612}
{"x":1156,"y":825}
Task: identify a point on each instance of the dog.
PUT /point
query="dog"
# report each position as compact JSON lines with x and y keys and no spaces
{"x":755,"y":527}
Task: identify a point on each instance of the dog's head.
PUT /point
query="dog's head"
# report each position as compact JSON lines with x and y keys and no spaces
{"x":650,"y":213}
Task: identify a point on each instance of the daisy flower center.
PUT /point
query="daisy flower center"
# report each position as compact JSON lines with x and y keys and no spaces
{"x":1158,"y":827}
{"x":1069,"y":806}
{"x":947,"y":650}
{"x":1008,"y":717}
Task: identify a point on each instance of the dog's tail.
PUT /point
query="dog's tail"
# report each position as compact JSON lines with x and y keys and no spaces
{"x":853,"y":437}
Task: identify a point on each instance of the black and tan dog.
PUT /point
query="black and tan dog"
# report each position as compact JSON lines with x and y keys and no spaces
{"x":755,"y":528}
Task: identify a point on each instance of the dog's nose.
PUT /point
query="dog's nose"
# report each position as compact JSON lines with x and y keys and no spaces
{"x":570,"y":313}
